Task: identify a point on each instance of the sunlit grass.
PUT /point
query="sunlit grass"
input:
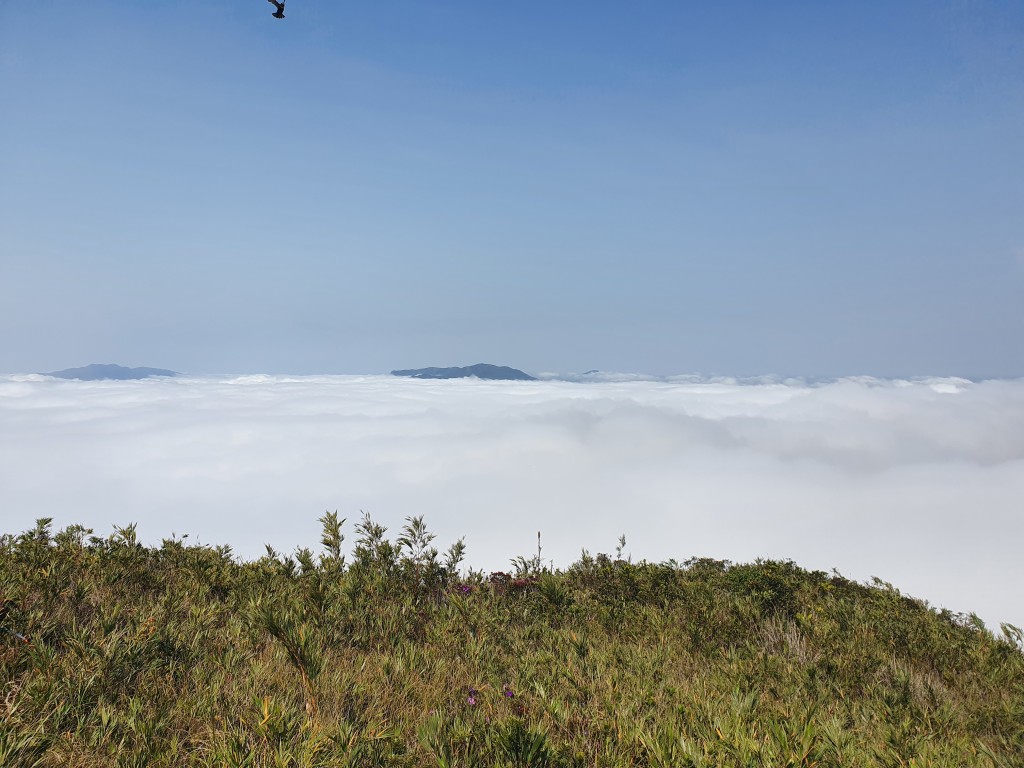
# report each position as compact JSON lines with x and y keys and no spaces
{"x":391,"y":656}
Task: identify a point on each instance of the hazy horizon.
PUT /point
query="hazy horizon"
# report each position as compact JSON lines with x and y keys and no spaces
{"x":591,"y":375}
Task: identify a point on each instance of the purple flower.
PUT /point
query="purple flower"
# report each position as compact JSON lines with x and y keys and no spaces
{"x":471,"y":701}
{"x":507,"y":692}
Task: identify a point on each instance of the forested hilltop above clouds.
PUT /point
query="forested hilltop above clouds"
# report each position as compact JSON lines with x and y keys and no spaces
{"x":109,"y":371}
{"x":480,"y":371}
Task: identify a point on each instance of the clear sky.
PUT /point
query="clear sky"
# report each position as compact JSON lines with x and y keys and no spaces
{"x":731,"y":187}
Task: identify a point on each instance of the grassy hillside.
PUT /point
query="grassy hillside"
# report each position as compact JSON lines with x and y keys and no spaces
{"x":388,"y":655}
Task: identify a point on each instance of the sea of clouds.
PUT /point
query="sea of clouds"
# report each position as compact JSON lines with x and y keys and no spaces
{"x":920,"y":483}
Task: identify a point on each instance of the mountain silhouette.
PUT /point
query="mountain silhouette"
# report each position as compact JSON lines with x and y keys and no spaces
{"x":103,"y":371}
{"x":480,"y":371}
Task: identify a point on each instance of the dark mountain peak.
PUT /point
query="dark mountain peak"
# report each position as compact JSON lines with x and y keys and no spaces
{"x":480,"y":371}
{"x":102,"y":371}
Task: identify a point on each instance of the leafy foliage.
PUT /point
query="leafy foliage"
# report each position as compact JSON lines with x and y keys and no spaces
{"x":391,"y":656}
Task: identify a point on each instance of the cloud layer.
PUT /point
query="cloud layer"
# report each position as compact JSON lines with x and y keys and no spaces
{"x":917,"y":482}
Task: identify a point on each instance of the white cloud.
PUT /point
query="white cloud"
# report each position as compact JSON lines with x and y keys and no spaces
{"x":916,"y":482}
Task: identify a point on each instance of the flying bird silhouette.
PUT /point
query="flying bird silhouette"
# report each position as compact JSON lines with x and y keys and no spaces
{"x":279,"y":13}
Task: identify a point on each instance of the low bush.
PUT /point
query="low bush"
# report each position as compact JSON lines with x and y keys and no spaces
{"x":117,"y":654}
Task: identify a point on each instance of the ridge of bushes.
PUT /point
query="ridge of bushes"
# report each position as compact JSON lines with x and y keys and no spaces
{"x":113,"y":653}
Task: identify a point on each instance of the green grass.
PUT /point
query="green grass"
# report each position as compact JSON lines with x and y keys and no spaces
{"x":389,"y":655}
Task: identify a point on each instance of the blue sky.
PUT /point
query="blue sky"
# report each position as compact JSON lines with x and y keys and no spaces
{"x":733,"y":188}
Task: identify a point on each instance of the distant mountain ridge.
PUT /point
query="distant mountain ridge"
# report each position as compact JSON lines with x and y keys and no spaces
{"x":109,"y":371}
{"x":480,"y":371}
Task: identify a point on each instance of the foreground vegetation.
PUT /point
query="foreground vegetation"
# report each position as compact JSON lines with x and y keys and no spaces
{"x":182,"y":655}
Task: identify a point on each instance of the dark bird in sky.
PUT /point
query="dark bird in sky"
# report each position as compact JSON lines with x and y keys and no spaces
{"x":279,"y":13}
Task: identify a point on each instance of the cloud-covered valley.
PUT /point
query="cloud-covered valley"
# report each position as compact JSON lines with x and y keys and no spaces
{"x":917,"y":482}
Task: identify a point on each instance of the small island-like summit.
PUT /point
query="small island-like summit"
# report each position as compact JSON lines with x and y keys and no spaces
{"x":109,"y":371}
{"x":480,"y":371}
